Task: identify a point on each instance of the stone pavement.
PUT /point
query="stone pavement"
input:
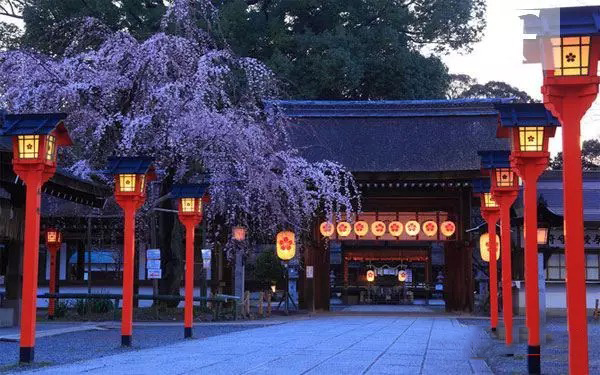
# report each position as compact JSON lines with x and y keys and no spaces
{"x":319,"y":345}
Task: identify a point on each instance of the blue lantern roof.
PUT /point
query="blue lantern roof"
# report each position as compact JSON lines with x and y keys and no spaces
{"x":35,"y":124}
{"x":569,"y":21}
{"x":525,"y":114}
{"x":189,"y":191}
{"x":131,"y":165}
{"x":494,"y":159}
{"x":481,"y":185}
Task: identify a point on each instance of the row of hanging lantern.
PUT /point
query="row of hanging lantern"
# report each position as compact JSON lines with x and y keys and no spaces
{"x":395,"y":228}
{"x":402,"y":275}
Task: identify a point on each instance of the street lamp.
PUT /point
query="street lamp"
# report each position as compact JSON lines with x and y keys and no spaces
{"x":505,"y":189}
{"x":530,"y":127}
{"x":286,"y":249}
{"x":131,"y":175}
{"x":35,"y":138}
{"x":490,"y":213}
{"x":191,"y":199}
{"x":568,"y":43}
{"x":53,"y":243}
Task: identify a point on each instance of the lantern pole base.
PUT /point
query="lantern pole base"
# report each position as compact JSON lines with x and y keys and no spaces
{"x":126,"y":340}
{"x":534,"y":359}
{"x":187,"y":332}
{"x":26,"y":354}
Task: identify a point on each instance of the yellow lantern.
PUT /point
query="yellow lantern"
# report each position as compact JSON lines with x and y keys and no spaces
{"x":327,"y":229}
{"x":489,"y":201}
{"x":402,"y":276}
{"x":286,"y":245}
{"x":378,"y":228}
{"x":531,"y":138}
{"x":361,"y":228}
{"x":395,"y":228}
{"x":344,"y":229}
{"x":448,"y":228}
{"x":505,"y":177}
{"x":370,"y":276}
{"x":412,"y":228}
{"x":430,"y":228}
{"x":571,"y":55}
{"x":484,"y":247}
{"x":127,"y":182}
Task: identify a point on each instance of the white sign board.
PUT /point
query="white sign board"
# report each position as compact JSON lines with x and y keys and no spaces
{"x":154,"y":273}
{"x":153,"y":263}
{"x":206,"y":254}
{"x":309,"y":272}
{"x":153,"y":254}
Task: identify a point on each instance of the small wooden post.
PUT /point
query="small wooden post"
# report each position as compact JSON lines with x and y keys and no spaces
{"x":269,"y":295}
{"x":247,"y":304}
{"x":261,"y":297}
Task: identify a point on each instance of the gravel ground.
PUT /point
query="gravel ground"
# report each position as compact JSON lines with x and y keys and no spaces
{"x":77,"y":346}
{"x":554,"y":353}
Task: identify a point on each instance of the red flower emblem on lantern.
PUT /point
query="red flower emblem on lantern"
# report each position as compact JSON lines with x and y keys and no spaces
{"x":448,"y":228}
{"x":394,"y":227}
{"x":360,"y":226}
{"x":286,"y":244}
{"x":430,"y":228}
{"x":380,"y":227}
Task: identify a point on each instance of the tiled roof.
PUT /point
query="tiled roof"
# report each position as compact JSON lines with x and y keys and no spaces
{"x":37,"y":123}
{"x":134,"y":165}
{"x":494,"y":159}
{"x":550,"y":191}
{"x":395,"y":136}
{"x":189,"y":191}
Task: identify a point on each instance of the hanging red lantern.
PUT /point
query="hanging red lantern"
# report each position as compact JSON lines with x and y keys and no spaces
{"x":361,"y":228}
{"x":327,"y":229}
{"x":395,"y":228}
{"x":370,"y":276}
{"x":286,"y":245}
{"x":378,"y":228}
{"x":412,"y":228}
{"x":430,"y":228}
{"x":448,"y":228}
{"x":344,"y":229}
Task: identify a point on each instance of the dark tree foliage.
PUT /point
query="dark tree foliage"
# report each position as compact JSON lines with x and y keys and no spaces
{"x":590,"y":156}
{"x":464,"y":86}
{"x":50,"y":24}
{"x":340,"y":49}
{"x":326,"y":49}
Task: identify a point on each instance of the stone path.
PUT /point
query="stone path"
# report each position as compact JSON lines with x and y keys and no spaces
{"x":321,"y":345}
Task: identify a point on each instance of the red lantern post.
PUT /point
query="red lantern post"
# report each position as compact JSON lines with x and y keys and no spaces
{"x":53,"y":243}
{"x":569,"y":42}
{"x":131,"y":177}
{"x":531,"y":127}
{"x":191,"y":199}
{"x":504,"y":188}
{"x":35,"y":139}
{"x":491,"y":213}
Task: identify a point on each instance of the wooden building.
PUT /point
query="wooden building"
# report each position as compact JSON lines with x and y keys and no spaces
{"x":414,"y":162}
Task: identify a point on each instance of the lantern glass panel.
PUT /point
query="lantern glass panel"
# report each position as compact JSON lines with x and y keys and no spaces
{"x":489,"y":200}
{"x":542,"y":236}
{"x":127,"y":182}
{"x":571,"y":55}
{"x":188,"y":204}
{"x":29,"y":146}
{"x":505,"y":177}
{"x":531,"y":138}
{"x":50,"y":148}
{"x":142,"y":183}
{"x":51,"y":236}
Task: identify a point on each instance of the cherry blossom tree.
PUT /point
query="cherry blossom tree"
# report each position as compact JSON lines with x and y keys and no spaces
{"x":197,"y":109}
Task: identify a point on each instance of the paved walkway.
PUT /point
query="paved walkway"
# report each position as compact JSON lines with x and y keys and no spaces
{"x":321,"y":345}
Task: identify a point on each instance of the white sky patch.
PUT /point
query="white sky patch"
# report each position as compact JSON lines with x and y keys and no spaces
{"x":499,"y":56}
